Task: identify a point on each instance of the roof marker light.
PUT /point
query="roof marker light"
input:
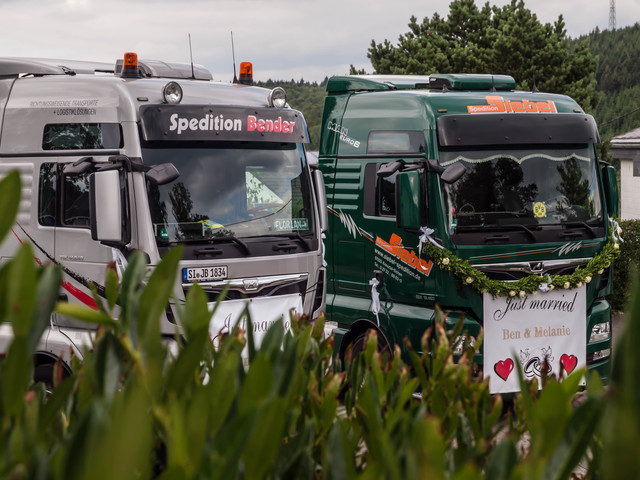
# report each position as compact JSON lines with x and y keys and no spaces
{"x":246,"y":73}
{"x":172,"y":93}
{"x":130,"y":66}
{"x":277,"y":98}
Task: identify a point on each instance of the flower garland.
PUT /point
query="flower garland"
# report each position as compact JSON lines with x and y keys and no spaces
{"x":476,"y":279}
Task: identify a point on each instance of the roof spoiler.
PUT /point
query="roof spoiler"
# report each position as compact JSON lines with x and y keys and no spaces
{"x":443,"y":82}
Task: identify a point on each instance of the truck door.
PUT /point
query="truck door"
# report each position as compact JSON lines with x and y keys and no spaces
{"x":83,"y":259}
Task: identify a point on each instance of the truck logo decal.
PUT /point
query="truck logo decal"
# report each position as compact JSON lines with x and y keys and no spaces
{"x":344,"y":134}
{"x":350,"y":223}
{"x":408,"y":257}
{"x":568,"y":248}
{"x":498,"y":104}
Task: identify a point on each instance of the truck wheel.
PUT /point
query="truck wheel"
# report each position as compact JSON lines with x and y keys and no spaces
{"x":44,"y":374}
{"x":357,"y":346}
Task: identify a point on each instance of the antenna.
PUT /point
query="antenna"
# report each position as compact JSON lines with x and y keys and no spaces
{"x":612,"y":15}
{"x":233,"y":55}
{"x":193,"y":75}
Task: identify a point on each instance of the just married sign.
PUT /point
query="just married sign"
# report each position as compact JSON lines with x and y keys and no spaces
{"x":547,"y":326}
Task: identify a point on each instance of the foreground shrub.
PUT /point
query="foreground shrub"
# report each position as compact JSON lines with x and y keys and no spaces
{"x":138,"y":407}
{"x":625,"y":264}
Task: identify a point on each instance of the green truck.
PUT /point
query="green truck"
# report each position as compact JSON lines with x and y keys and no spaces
{"x":460,"y":191}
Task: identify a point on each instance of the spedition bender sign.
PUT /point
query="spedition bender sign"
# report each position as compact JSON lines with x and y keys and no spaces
{"x":221,"y":123}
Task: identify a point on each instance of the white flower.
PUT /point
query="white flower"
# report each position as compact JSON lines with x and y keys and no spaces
{"x":512,"y":293}
{"x":522,"y":293}
{"x":567,"y":285}
{"x":587,"y":279}
{"x":601,"y":271}
{"x":579,"y":284}
{"x":615,"y":245}
{"x":551,"y":287}
{"x":469,"y":280}
{"x":445,"y":261}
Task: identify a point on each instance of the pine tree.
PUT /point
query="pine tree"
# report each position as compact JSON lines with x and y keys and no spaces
{"x":501,"y":40}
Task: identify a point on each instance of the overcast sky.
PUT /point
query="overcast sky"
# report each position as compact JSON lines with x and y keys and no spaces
{"x":284,"y":39}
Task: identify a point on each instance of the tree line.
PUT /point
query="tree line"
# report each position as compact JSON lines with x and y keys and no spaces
{"x":598,"y":70}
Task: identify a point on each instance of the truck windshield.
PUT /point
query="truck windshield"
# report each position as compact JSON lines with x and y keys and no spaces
{"x":229,"y":190}
{"x":524,"y":187}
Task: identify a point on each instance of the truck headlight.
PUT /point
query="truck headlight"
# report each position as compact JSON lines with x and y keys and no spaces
{"x":278,"y":97}
{"x":172,"y":93}
{"x":600,"y":331}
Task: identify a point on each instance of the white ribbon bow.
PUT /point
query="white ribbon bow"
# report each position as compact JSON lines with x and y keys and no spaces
{"x":426,"y":237}
{"x":375,"y":298}
{"x":544,"y":286}
{"x":615,"y":230}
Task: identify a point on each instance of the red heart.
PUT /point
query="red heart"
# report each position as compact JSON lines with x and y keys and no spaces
{"x":503,"y":368}
{"x":568,"y":362}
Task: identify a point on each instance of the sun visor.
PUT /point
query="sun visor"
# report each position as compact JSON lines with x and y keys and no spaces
{"x":516,"y":129}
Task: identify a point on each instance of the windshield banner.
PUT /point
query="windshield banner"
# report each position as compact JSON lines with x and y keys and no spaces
{"x":264,"y":312}
{"x":221,"y":123}
{"x":543,"y":331}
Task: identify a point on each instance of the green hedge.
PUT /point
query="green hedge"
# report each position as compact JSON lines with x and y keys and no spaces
{"x":136,"y":409}
{"x":626,"y":264}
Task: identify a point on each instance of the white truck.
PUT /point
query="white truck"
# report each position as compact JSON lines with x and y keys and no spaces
{"x":148,"y":155}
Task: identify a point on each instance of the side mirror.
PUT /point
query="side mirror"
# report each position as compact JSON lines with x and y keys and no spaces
{"x":611,"y":193}
{"x":453,"y":173}
{"x":321,"y":199}
{"x":163,"y":173}
{"x":409,"y":200}
{"x":108,"y":208}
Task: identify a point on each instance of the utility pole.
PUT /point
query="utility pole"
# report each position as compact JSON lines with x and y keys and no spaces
{"x":612,"y":15}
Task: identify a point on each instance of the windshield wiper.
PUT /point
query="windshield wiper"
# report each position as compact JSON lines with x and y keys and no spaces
{"x":293,"y":236}
{"x":226,"y":238}
{"x":519,"y":226}
{"x":498,"y":228}
{"x":584,"y":225}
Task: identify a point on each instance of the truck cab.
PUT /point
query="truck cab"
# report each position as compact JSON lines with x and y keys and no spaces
{"x":460,"y":192}
{"x":148,"y":155}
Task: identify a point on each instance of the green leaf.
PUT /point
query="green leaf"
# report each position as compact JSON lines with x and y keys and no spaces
{"x":83,"y":313}
{"x":577,"y":436}
{"x":223,"y":387}
{"x":154,"y":300}
{"x":258,"y":384}
{"x":502,"y":460}
{"x":47,"y":296}
{"x":21,"y":291}
{"x":54,"y":406}
{"x":262,"y":447}
{"x":195,"y":315}
{"x":9,"y":201}
{"x":130,"y":287}
{"x":185,"y":367}
{"x":16,"y":376}
{"x":108,"y":365}
{"x":111,"y":288}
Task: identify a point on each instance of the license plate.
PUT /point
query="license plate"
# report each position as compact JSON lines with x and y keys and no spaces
{"x":204,"y":274}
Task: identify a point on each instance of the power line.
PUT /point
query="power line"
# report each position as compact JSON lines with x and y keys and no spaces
{"x":621,"y":116}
